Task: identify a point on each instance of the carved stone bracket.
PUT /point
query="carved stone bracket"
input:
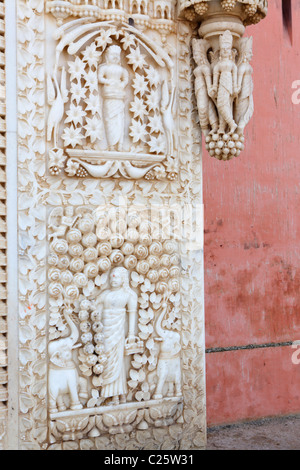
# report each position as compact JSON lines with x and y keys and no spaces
{"x":223,"y":74}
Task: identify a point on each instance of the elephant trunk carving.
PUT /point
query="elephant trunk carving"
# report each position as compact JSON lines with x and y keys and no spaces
{"x":168,"y":367}
{"x":63,"y":376}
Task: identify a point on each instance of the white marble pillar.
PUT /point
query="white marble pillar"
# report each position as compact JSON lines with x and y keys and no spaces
{"x":104,"y":227}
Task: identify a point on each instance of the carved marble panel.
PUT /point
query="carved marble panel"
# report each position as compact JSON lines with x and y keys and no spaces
{"x":111,"y":347}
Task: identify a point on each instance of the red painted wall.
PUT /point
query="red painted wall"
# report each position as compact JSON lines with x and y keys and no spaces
{"x":252,"y":242}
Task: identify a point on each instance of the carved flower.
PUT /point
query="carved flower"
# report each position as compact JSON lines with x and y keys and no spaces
{"x":66,"y":277}
{"x":98,"y":369}
{"x":86,"y":338}
{"x":56,"y":158}
{"x":53,"y":259}
{"x":104,"y":264}
{"x":93,"y":104}
{"x":142,"y":267}
{"x":156,"y":248}
{"x":80,"y":280}
{"x":72,"y":167}
{"x":153,"y":76}
{"x":104,"y":248}
{"x":91,"y":55}
{"x":55,"y":289}
{"x":134,"y":220}
{"x":127,"y":248}
{"x":85,"y":304}
{"x":138,"y":108}
{"x":103,"y":233}
{"x":76,"y":69}
{"x":160,"y":172}
{"x":165,"y":261}
{"x":161,"y":287}
{"x":139,"y":84}
{"x":145,"y":239}
{"x":77,"y":265}
{"x":175,"y":259}
{"x":75,"y":114}
{"x":91,"y":80}
{"x":157,"y":144}
{"x":130,"y":262}
{"x":174,"y":285}
{"x":75,"y":249}
{"x":72,"y":292}
{"x":91,"y":270}
{"x":117,"y":240}
{"x":90,"y":254}
{"x":63,"y":262}
{"x":93,"y":129}
{"x":170,"y":246}
{"x":74,"y":235}
{"x":174,"y":271}
{"x":138,"y":131}
{"x":85,"y":326}
{"x":153,"y":275}
{"x":83,"y":314}
{"x":136,"y":59}
{"x":72,"y":136}
{"x":54,"y":274}
{"x":141,"y":251}
{"x":89,"y":239}
{"x":78,"y":92}
{"x":132,"y":235}
{"x":86,"y":224}
{"x":153,"y":100}
{"x":128,"y":41}
{"x":116,"y":257}
{"x":60,"y":246}
{"x":99,"y":338}
{"x":155,"y":124}
{"x":163,"y":273}
{"x":153,"y":261}
{"x":89,"y":348}
{"x":104,"y":38}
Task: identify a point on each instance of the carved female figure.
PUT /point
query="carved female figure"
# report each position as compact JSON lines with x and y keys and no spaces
{"x":114,"y":79}
{"x":114,"y":303}
{"x":244,"y":105}
{"x":224,"y":88}
{"x":207,"y":112}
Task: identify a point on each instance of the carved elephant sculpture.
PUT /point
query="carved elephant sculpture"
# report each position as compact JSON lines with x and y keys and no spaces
{"x":63,"y":375}
{"x":169,"y":364}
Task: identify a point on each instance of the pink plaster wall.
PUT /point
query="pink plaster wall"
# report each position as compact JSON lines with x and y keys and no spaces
{"x":252,"y":242}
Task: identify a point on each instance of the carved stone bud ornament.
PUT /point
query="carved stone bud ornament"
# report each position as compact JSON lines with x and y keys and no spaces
{"x":223,"y":74}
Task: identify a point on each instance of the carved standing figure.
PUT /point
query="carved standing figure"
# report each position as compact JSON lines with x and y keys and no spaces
{"x":224,"y":89}
{"x":63,"y":375}
{"x":169,"y":366}
{"x":114,"y":79}
{"x":244,"y":105}
{"x":203,"y":83}
{"x":114,"y":304}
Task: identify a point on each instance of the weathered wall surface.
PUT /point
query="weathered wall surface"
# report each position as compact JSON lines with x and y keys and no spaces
{"x":252,"y":256}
